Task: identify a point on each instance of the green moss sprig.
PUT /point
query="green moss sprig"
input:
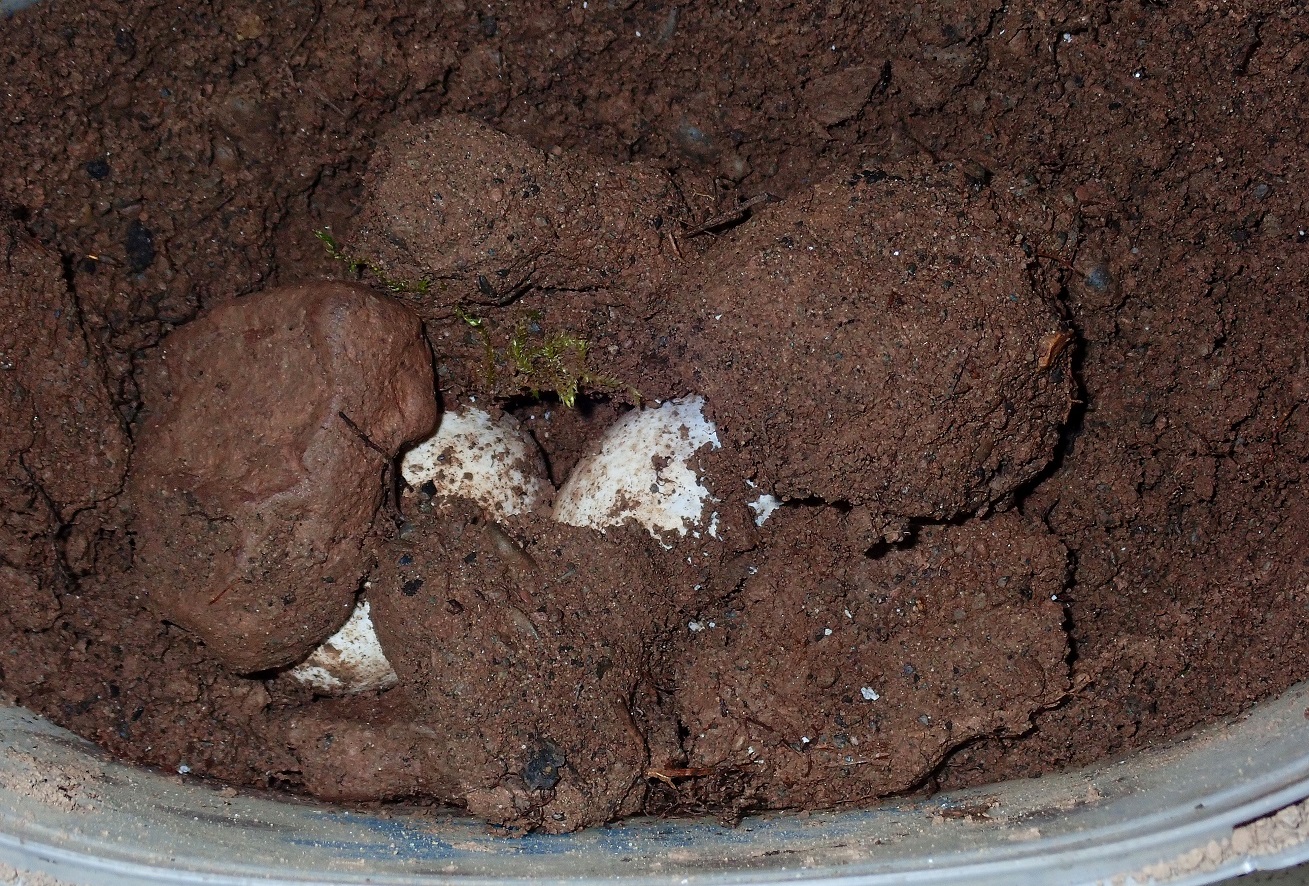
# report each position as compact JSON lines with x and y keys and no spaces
{"x":357,"y":265}
{"x":544,"y":362}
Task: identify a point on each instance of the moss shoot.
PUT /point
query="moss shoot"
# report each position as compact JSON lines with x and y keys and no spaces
{"x":357,"y":266}
{"x":538,"y":361}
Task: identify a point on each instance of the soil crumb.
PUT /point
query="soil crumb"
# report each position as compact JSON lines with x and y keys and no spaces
{"x":1005,"y":358}
{"x":28,"y":878}
{"x":1286,"y":828}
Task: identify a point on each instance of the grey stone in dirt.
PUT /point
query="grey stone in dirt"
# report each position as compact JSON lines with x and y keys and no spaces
{"x":259,"y":468}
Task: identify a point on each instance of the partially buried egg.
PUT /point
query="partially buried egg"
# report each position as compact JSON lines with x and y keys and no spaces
{"x":487,"y":460}
{"x":643,"y":472}
{"x":474,"y":456}
{"x":348,"y":662}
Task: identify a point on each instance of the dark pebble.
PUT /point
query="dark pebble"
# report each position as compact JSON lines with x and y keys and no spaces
{"x":542,"y":770}
{"x":125,"y":40}
{"x":978,"y":174}
{"x":1099,"y":278}
{"x":98,"y":169}
{"x":140,"y":246}
{"x":411,"y":587}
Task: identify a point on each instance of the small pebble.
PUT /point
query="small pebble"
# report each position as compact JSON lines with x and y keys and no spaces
{"x":139,"y":246}
{"x":1098,"y":278}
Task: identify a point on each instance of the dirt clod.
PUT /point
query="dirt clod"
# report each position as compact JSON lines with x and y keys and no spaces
{"x":483,"y":216}
{"x":876,"y":342}
{"x":269,"y":426}
{"x":503,"y":677}
{"x":857,"y":682}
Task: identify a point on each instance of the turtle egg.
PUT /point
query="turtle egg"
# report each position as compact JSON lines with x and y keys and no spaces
{"x":489,"y":461}
{"x":348,"y":662}
{"x":641,"y":473}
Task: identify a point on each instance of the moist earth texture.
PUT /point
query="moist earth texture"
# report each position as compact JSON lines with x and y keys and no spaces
{"x":998,"y":312}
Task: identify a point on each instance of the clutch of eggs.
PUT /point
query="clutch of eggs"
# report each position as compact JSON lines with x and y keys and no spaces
{"x":641,"y":470}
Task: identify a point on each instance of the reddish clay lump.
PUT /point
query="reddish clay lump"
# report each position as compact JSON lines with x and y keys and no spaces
{"x":532,"y":675}
{"x":259,"y":466}
{"x":477,"y":211}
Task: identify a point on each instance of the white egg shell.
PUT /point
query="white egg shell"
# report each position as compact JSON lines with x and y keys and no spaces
{"x":349,"y":661}
{"x":490,"y":461}
{"x":641,"y":473}
{"x":763,"y":508}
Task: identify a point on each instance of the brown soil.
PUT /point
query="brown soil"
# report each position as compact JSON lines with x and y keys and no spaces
{"x":1019,"y":332}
